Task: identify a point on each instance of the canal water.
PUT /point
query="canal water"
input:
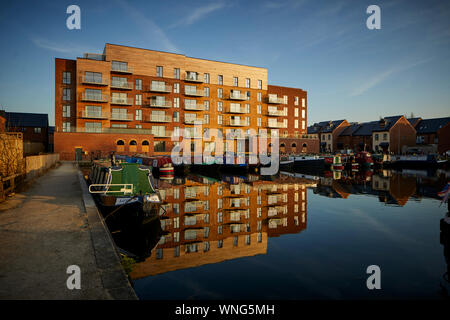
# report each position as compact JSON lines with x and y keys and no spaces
{"x":293,"y":236}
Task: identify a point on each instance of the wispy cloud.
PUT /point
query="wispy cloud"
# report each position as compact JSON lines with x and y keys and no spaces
{"x":60,"y":47}
{"x":152,"y":30}
{"x":199,"y":13}
{"x":380,"y":77}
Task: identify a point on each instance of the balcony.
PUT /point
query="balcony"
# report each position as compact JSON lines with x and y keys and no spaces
{"x":121,"y":116}
{"x":121,"y":69}
{"x":274,"y":124}
{"x":237,"y":95}
{"x":121,"y":85}
{"x":93,"y":81}
{"x":235,"y":123}
{"x":93,"y":115}
{"x":159,"y":88}
{"x":276,"y":113}
{"x":240,"y":109}
{"x":193,"y":121}
{"x":158,"y":118}
{"x":192,"y":77}
{"x":193,"y":93}
{"x":164,"y":134}
{"x":122,"y":101}
{"x":274,"y":100}
{"x":194,"y":107}
{"x":155,"y":103}
{"x":93,"y":97}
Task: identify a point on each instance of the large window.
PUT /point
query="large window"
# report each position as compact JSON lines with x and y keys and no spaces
{"x":66,"y":77}
{"x":93,"y":77}
{"x":176,"y":88}
{"x":260,"y":84}
{"x":220,"y":79}
{"x":93,"y":111}
{"x":206,"y":91}
{"x":138,"y":84}
{"x":67,"y":94}
{"x":219,"y":93}
{"x":159,"y":71}
{"x":139,"y":99}
{"x":176,"y":73}
{"x":66,"y":127}
{"x":119,"y":66}
{"x":159,"y":146}
{"x":138,"y":114}
{"x":235,"y":81}
{"x":93,"y":127}
{"x":66,"y":111}
{"x":206,"y":78}
{"x":247,"y":82}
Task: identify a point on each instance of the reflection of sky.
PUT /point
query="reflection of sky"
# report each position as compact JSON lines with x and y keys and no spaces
{"x":329,"y":258}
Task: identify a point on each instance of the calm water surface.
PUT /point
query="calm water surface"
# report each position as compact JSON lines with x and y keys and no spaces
{"x":288,"y":237}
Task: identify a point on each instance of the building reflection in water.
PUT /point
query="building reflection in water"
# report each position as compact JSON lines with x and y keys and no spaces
{"x":209,"y":221}
{"x":391,"y":187}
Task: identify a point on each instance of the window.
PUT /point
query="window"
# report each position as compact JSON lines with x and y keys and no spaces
{"x":93,"y":77}
{"x":176,"y":116}
{"x":93,"y":127}
{"x":176,"y":73}
{"x":66,"y":94}
{"x":285,"y":99}
{"x":120,"y":82}
{"x":220,"y":79}
{"x":296,"y":101}
{"x":219,"y":229}
{"x":259,"y":122}
{"x":384,"y":136}
{"x":139,"y":126}
{"x":303,"y":102}
{"x":235,"y":81}
{"x":159,"y":71}
{"x":119,"y":66}
{"x":219,"y":119}
{"x":259,"y":97}
{"x":303,"y":113}
{"x":176,"y":102}
{"x":159,"y":146}
{"x":206,"y":121}
{"x":303,"y":124}
{"x":376,"y":137}
{"x":296,"y":112}
{"x":139,"y":99}
{"x":66,"y":77}
{"x":247,"y":83}
{"x":258,"y":109}
{"x":206,"y":91}
{"x":66,"y":111}
{"x":176,"y":88}
{"x":138,"y":84}
{"x":206,"y":78}
{"x":206,"y":105}
{"x":37,"y":130}
{"x":220,"y":93}
{"x":219,"y":106}
{"x":93,"y":94}
{"x":138,"y":114}
{"x":260,"y":84}
{"x":66,"y":127}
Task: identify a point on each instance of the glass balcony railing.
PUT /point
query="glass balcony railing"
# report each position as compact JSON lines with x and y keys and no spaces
{"x":160,"y":88}
{"x":93,"y":80}
{"x":122,"y":85}
{"x":158,"y":118}
{"x":122,"y":101}
{"x":274,"y":99}
{"x":193,"y":93}
{"x":192,"y":77}
{"x":121,"y":116}
{"x":94,"y":97}
{"x":93,"y":115}
{"x":157,"y":103}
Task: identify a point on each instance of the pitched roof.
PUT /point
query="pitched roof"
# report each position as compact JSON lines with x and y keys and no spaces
{"x":324,"y":126}
{"x":365,"y":128}
{"x":431,"y":125}
{"x":414,"y":121}
{"x":348,"y":131}
{"x":386,"y":123}
{"x":22,"y":119}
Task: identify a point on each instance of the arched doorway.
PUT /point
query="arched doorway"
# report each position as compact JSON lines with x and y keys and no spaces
{"x":120,"y":146}
{"x":304,"y":148}
{"x":282,"y":148}
{"x":294,"y":148}
{"x":145,"y":146}
{"x":133,"y":146}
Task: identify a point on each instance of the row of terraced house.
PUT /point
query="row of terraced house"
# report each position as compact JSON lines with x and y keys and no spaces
{"x":393,"y":134}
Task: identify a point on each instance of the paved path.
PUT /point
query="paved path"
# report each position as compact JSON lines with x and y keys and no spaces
{"x":46,"y":229}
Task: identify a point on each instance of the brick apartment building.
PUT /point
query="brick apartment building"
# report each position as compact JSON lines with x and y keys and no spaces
{"x":133,"y":100}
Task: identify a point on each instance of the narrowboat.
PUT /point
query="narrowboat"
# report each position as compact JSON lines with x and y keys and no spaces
{"x":123,"y":186}
{"x":417,"y":161}
{"x":306,"y":162}
{"x":364,"y":159}
{"x":337,"y":164}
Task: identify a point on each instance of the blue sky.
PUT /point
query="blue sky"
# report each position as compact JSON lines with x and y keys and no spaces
{"x":320,"y":46}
